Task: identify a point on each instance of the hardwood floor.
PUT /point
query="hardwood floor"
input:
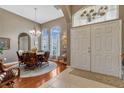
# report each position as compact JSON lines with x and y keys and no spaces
{"x":34,"y":82}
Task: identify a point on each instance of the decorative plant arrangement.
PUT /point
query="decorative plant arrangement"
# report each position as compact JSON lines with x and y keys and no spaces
{"x":102,"y":11}
{"x":1,"y":50}
{"x":92,"y":14}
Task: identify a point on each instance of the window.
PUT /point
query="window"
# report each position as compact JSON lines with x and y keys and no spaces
{"x":45,"y":40}
{"x":95,"y":14}
{"x":55,"y":42}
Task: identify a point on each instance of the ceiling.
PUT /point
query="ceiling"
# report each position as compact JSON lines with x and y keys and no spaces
{"x":44,"y":13}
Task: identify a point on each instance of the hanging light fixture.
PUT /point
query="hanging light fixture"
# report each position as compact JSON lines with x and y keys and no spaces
{"x":35,"y":32}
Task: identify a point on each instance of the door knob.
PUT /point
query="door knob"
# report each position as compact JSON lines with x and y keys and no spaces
{"x":89,"y":51}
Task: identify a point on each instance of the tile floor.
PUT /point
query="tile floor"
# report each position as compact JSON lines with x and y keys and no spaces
{"x":66,"y":80}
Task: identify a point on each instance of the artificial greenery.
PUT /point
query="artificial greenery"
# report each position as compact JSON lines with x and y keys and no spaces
{"x":1,"y":50}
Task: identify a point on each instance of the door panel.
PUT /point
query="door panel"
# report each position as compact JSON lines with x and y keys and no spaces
{"x":80,"y":43}
{"x":105,"y":41}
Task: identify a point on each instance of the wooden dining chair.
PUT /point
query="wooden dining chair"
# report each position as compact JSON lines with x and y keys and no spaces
{"x":46,"y":56}
{"x":30,"y":60}
{"x":20,"y":58}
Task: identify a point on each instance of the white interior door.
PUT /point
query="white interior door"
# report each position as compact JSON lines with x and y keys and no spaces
{"x":105,"y":46}
{"x":80,"y":44}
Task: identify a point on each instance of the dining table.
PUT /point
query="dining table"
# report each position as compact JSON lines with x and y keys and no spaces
{"x":34,"y":60}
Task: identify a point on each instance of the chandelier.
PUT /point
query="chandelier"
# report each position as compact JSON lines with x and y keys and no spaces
{"x":35,"y":32}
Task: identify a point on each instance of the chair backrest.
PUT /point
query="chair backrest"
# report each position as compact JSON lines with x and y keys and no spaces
{"x":29,"y":58}
{"x":19,"y":57}
{"x":18,"y":54}
{"x":47,"y":54}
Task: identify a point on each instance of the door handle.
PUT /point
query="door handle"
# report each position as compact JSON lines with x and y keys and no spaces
{"x":89,"y":50}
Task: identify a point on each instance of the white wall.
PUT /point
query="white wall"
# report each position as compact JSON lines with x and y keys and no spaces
{"x":11,"y":26}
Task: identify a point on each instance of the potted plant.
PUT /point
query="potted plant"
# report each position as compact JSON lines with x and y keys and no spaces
{"x":1,"y":50}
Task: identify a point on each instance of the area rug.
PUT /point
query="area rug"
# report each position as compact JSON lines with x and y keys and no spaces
{"x":45,"y":68}
{"x":110,"y":80}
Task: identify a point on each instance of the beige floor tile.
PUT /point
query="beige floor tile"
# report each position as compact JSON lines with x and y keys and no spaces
{"x":77,"y":82}
{"x":62,"y":84}
{"x":48,"y":83}
{"x":66,"y":80}
{"x":45,"y":86}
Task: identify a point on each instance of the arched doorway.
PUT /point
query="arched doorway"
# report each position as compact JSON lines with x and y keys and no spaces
{"x":24,"y":41}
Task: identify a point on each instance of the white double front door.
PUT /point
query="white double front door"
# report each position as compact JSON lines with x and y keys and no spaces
{"x":97,"y":48}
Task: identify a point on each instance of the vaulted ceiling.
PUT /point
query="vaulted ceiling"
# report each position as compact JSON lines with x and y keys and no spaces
{"x":44,"y":13}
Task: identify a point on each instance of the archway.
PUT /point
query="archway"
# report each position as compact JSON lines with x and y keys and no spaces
{"x":24,"y":41}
